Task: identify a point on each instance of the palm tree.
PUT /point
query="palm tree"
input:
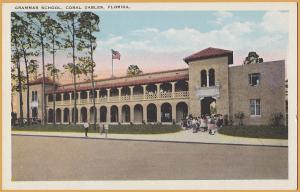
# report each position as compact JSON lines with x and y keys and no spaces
{"x":53,"y":73}
{"x":88,"y":24}
{"x":53,"y":30}
{"x":69,"y":21}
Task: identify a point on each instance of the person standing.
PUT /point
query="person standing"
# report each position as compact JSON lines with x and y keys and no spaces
{"x":106,"y":130}
{"x":86,"y":128}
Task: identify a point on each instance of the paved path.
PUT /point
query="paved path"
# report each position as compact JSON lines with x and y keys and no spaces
{"x":36,"y":158}
{"x":182,"y":136}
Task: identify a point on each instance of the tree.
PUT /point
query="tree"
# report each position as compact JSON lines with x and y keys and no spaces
{"x":253,"y":58}
{"x":133,"y":70}
{"x":15,"y":58}
{"x":17,"y":87}
{"x":71,"y":26}
{"x":53,"y":30}
{"x":88,"y":24}
{"x":38,"y":22}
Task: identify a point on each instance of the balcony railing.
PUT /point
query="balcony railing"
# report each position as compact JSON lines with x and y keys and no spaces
{"x":124,"y":98}
{"x":212,"y":91}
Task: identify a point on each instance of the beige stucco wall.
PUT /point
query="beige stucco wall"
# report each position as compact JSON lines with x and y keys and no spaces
{"x":220,"y":65}
{"x":271,"y":90}
{"x":36,"y":87}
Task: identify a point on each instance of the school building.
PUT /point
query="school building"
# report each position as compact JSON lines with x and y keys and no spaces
{"x":210,"y":84}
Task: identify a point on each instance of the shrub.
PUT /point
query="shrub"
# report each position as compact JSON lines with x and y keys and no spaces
{"x":240,"y":116}
{"x":276,"y":119}
{"x":131,"y":123}
{"x":144,"y":122}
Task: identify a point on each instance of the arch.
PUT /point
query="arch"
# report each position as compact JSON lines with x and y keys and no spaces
{"x":83,"y":114}
{"x":181,"y":111}
{"x":72,"y":95}
{"x":103,"y":114}
{"x":208,"y":106}
{"x":211,"y":75}
{"x":181,"y":85}
{"x":58,"y":115}
{"x":66,"y":96}
{"x":103,"y":93}
{"x":166,"y":112}
{"x":91,"y":93}
{"x":203,"y":78}
{"x":166,"y":87}
{"x":50,"y":97}
{"x":93,"y":114}
{"x":83,"y":95}
{"x":125,"y":113}
{"x":138,"y":113}
{"x":74,"y":115}
{"x":66,"y":115}
{"x":50,"y":116}
{"x":114,"y":114}
{"x":138,"y":90}
{"x":125,"y":91}
{"x":58,"y":97}
{"x":151,"y":113}
{"x":114,"y":92}
{"x":151,"y":88}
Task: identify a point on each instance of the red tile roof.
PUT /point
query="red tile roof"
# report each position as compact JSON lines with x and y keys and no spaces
{"x":40,"y":81}
{"x":122,"y":84}
{"x":208,"y":53}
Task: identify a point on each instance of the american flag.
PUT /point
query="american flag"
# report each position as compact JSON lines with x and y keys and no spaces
{"x":115,"y":54}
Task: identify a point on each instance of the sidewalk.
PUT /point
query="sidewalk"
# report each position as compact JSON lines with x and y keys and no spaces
{"x":182,"y":136}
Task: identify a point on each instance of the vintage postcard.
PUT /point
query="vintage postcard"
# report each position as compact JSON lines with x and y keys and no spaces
{"x":149,"y":95}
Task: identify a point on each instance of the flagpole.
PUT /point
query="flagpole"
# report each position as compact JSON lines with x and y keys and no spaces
{"x":112,"y":66}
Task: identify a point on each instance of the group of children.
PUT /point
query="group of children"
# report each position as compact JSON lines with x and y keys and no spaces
{"x":210,"y":123}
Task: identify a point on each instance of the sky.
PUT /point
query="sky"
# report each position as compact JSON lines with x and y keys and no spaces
{"x":159,"y":40}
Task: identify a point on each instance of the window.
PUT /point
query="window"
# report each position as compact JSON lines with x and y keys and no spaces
{"x":255,"y":107}
{"x":254,"y":79}
{"x":211,"y":75}
{"x":34,"y":96}
{"x":203,"y":78}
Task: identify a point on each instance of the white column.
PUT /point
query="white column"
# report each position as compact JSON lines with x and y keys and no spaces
{"x":98,"y":96}
{"x":79,"y":99}
{"x":132,"y":114}
{"x":158,"y":108}
{"x":173,"y":89}
{"x":119,"y":114}
{"x":145,"y":113}
{"x":79,"y":115}
{"x":158,"y":89}
{"x":131,"y":92}
{"x":88,"y":115}
{"x":70,"y":115}
{"x":119,"y":89}
{"x":108,"y":95}
{"x":173,"y":112}
{"x":207,"y":79}
{"x":70,"y":98}
{"x":62,"y":98}
{"x":144,"y":91}
{"x":88,"y":96}
{"x":61,"y":116}
{"x":108,"y":114}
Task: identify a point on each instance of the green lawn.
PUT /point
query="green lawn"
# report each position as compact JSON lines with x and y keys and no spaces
{"x":264,"y":131}
{"x":118,"y":129}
